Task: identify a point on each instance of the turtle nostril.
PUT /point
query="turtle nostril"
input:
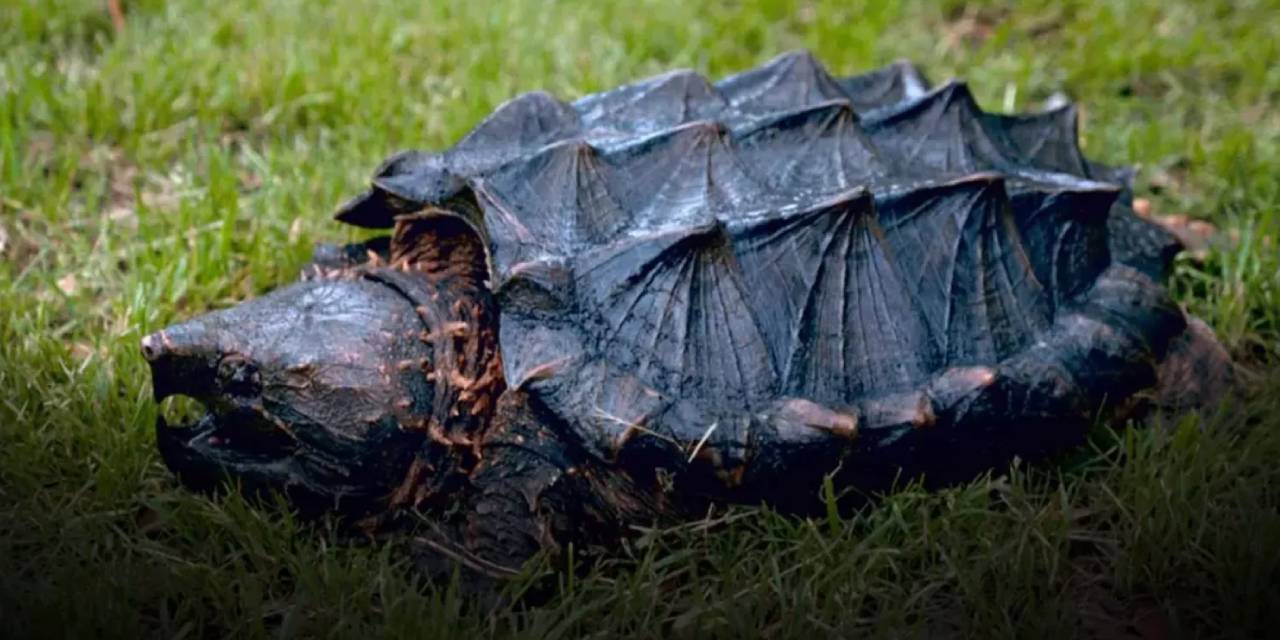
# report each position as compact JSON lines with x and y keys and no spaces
{"x":153,"y":346}
{"x":183,"y":359}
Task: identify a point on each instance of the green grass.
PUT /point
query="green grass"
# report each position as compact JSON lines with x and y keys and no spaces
{"x":192,"y":160}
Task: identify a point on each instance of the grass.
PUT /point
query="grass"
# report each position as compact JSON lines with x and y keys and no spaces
{"x":191,"y":160}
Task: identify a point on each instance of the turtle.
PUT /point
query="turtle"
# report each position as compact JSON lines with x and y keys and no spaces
{"x":592,"y":315}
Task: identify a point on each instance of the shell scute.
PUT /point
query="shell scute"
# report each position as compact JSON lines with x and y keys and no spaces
{"x":689,"y":271}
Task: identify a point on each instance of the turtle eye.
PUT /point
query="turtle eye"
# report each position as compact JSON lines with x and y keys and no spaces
{"x":238,"y":376}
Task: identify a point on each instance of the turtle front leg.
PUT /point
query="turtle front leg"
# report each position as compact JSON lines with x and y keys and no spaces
{"x":1196,"y":372}
{"x":532,"y":491}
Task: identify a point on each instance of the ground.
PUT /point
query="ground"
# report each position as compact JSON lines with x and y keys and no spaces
{"x":191,"y":159}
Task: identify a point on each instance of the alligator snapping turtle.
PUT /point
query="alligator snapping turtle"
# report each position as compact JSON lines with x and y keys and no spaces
{"x":602,"y":313}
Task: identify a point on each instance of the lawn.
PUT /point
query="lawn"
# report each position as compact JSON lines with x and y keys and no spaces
{"x":191,"y":160}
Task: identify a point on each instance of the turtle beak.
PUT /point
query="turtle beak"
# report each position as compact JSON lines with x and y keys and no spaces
{"x":183,"y":359}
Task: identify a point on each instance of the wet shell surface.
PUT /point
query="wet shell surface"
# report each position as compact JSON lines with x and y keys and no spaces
{"x":766,"y":277}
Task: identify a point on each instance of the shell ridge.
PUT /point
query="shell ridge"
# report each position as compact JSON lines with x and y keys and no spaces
{"x":835,"y":246}
{"x":678,"y":96}
{"x":690,"y":274}
{"x":688,"y":174}
{"x":934,"y":209}
{"x":800,"y":74}
{"x":937,"y":114}
{"x":699,"y":320}
{"x":502,"y":224}
{"x":986,"y":141}
{"x":818,"y":145}
{"x":1032,"y":319}
{"x":516,"y":127}
{"x":1073,"y":219}
{"x":1056,"y":285}
{"x":919,"y":344}
{"x":543,"y":103}
{"x":1008,"y":312}
{"x":885,"y":86}
{"x":894,"y":263}
{"x":810,"y":294}
{"x":1057,"y":126}
{"x":542,"y":197}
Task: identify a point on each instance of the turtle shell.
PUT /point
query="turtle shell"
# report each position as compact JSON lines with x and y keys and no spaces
{"x":784,"y":273}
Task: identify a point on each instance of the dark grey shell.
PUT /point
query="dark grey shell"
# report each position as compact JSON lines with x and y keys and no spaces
{"x":749,"y":282}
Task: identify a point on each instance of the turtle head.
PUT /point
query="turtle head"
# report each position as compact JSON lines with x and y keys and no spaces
{"x":313,"y":390}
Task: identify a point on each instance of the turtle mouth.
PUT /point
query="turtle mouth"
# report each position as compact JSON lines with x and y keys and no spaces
{"x":239,"y":442}
{"x":241,"y":433}
{"x":248,"y":450}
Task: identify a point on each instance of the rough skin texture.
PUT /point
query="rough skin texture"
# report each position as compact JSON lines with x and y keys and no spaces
{"x":616,"y":311}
